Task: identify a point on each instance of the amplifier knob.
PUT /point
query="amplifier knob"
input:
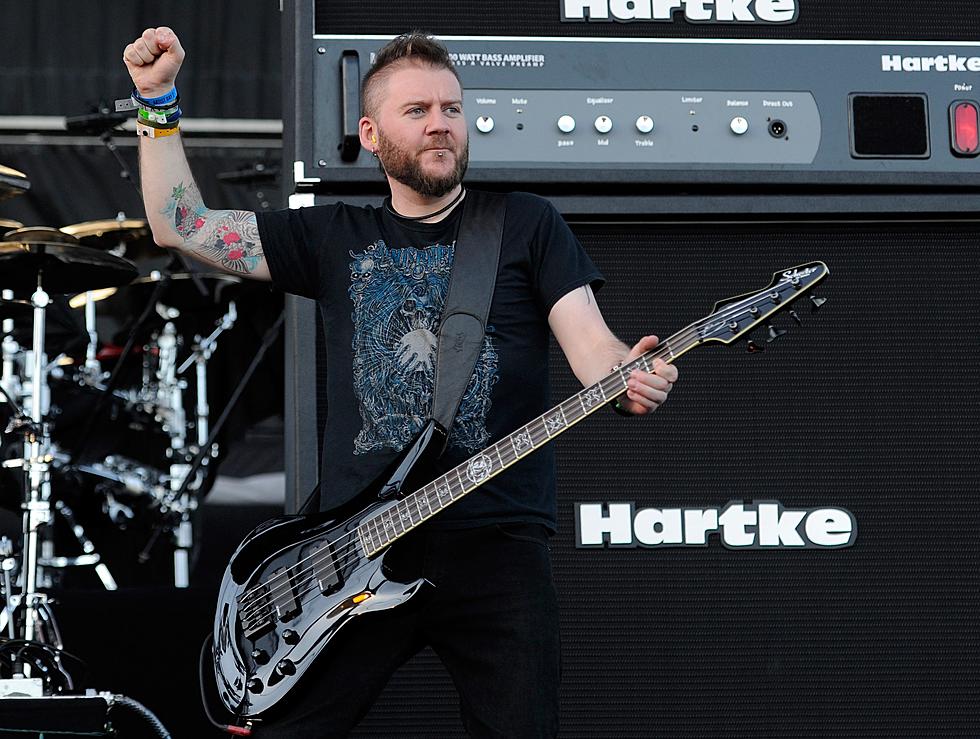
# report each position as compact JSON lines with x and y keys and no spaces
{"x":644,"y":124}
{"x":603,"y":124}
{"x":739,"y":125}
{"x":566,"y":124}
{"x":484,"y":124}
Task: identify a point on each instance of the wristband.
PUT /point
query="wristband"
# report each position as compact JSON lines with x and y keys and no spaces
{"x":163,"y":117}
{"x":157,"y":101}
{"x":155,"y":133}
{"x":619,"y":410}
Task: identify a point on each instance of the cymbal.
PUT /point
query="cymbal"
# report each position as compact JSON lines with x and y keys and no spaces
{"x":36,"y":234}
{"x":6,"y":225}
{"x":131,"y":236}
{"x":113,"y":229}
{"x":64,"y":268}
{"x":12,"y":182}
{"x":188,"y":290}
{"x":11,"y":308}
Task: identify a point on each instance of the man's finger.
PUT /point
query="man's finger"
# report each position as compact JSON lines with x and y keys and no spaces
{"x":142,"y":52}
{"x":167,"y":41}
{"x":643,"y":346}
{"x":131,"y":57}
{"x":149,"y":38}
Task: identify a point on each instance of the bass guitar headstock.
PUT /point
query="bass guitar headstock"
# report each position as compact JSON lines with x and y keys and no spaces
{"x":735,"y":317}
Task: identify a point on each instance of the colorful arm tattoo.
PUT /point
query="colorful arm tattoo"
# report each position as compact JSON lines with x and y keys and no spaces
{"x":229,"y":238}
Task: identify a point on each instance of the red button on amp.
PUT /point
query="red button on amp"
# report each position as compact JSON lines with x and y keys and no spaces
{"x":964,"y":128}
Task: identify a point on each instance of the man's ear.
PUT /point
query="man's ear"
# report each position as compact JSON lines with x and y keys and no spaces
{"x":368,"y":132}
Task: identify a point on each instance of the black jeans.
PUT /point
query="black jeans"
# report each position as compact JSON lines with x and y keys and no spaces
{"x":492,"y":619}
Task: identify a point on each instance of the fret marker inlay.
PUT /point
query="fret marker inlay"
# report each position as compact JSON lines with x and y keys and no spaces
{"x":479,"y":468}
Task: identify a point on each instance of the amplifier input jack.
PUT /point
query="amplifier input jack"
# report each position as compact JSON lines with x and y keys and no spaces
{"x":777,"y":128}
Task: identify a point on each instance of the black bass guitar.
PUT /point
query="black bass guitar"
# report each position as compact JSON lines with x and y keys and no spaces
{"x":296,"y":581}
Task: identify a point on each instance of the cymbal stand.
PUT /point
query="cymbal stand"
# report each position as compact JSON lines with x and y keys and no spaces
{"x":7,"y":564}
{"x":203,"y":349}
{"x":9,"y":349}
{"x":170,"y":413}
{"x":93,"y":368}
{"x":169,"y":396}
{"x":38,"y":621}
{"x":186,"y":497}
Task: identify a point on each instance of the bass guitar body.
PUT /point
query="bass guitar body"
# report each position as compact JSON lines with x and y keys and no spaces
{"x":295,"y":582}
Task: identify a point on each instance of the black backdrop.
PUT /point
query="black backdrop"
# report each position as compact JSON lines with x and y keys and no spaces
{"x":61,"y":57}
{"x":871,"y":406}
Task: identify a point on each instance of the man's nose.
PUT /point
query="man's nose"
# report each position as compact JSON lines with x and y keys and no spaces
{"x":438,"y":122}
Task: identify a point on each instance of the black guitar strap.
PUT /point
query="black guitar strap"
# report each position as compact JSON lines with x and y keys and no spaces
{"x":464,"y":316}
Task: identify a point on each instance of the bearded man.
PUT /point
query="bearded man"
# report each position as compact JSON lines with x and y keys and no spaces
{"x":380,"y":277}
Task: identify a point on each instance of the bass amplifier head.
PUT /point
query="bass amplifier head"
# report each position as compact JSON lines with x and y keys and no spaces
{"x":630,"y":95}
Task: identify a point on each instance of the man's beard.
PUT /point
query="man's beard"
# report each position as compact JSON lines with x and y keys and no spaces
{"x":405,"y":167}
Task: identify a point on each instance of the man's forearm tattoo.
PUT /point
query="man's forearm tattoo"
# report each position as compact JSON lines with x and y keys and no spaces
{"x":228,"y":237}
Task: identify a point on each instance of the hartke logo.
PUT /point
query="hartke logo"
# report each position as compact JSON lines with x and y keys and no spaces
{"x":764,"y":525}
{"x":942,"y":63}
{"x":694,"y":11}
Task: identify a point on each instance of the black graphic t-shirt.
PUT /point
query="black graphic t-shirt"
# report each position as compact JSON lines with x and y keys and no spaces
{"x":380,"y":282}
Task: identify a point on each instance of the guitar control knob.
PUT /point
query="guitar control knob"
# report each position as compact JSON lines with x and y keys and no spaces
{"x":644,"y":124}
{"x":286,"y":667}
{"x":290,"y":637}
{"x":566,"y":124}
{"x":260,"y":656}
{"x":739,"y":125}
{"x":603,"y":124}
{"x":254,"y":685}
{"x":484,"y":124}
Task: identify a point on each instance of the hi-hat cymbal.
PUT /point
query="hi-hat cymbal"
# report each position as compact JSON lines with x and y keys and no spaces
{"x":187,"y":290}
{"x":63,"y":268}
{"x":6,"y":225}
{"x":37,"y":234}
{"x":12,"y":308}
{"x":12,"y":182}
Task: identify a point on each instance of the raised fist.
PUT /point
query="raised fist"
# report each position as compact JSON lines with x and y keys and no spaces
{"x":153,"y":61}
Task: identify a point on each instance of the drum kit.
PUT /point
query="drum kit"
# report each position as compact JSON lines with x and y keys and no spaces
{"x":83,"y":417}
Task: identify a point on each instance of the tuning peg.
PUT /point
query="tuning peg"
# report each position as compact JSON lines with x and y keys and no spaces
{"x":796,"y":317}
{"x":774,"y":333}
{"x":817,"y":302}
{"x":754,"y":348}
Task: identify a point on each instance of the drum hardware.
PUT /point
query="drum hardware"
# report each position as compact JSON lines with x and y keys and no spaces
{"x":89,"y":556}
{"x":200,"y":354}
{"x":7,"y":565}
{"x":116,"y":376}
{"x":58,"y":267}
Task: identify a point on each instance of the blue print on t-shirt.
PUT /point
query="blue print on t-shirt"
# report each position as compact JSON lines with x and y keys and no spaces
{"x":398,"y":296}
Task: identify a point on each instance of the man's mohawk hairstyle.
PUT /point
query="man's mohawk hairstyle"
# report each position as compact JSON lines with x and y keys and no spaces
{"x":416,"y":47}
